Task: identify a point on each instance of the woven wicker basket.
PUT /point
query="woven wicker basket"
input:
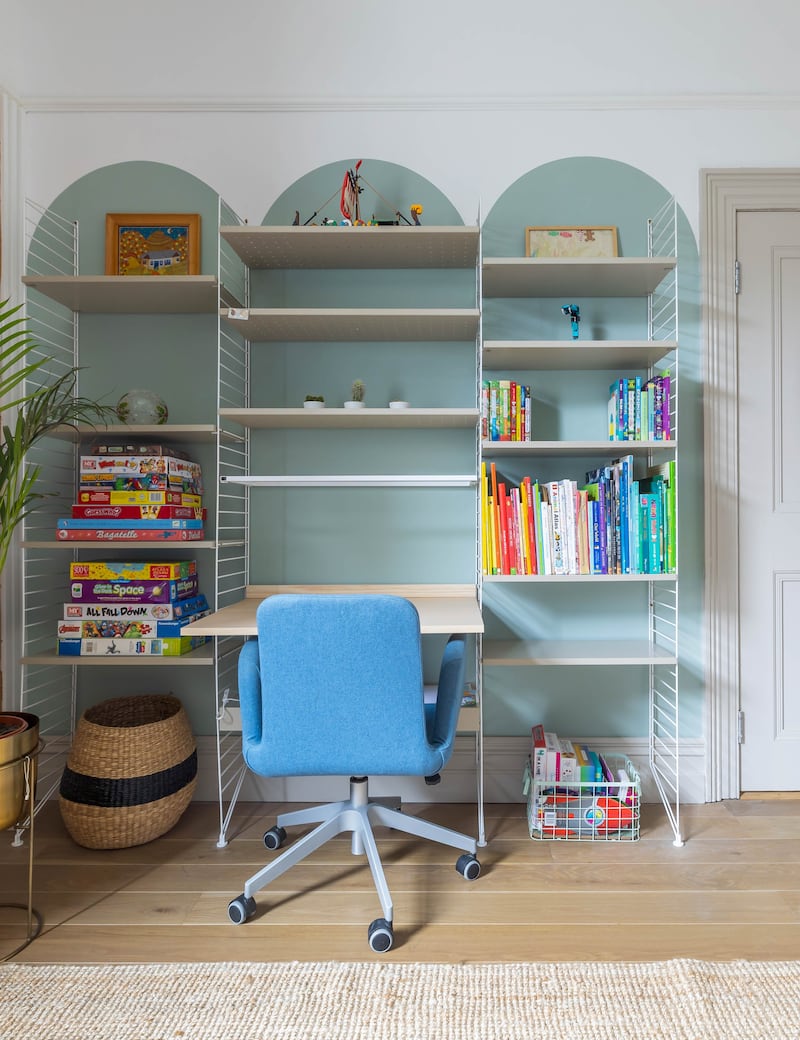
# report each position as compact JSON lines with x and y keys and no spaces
{"x":130,"y":773}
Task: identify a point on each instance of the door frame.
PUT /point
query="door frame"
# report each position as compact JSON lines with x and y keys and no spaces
{"x":723,"y":194}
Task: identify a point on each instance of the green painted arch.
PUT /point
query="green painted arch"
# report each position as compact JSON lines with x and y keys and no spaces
{"x":136,"y":187}
{"x":581,"y":190}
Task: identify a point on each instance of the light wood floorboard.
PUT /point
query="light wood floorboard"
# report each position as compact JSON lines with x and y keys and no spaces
{"x":732,"y":891}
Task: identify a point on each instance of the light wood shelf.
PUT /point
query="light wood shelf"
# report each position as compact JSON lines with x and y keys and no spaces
{"x":138,"y":546}
{"x":135,"y":294}
{"x":351,"y":418}
{"x":203,"y":656}
{"x":574,"y":652}
{"x":612,"y":449}
{"x":317,"y":248}
{"x":515,"y":276}
{"x":353,"y":324}
{"x":198,"y":433}
{"x":563,"y":355}
{"x":492,"y":579}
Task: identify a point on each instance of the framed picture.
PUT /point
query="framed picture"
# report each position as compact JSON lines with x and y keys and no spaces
{"x":159,"y":244}
{"x":571,"y":241}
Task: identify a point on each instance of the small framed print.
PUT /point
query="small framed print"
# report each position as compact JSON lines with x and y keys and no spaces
{"x":159,"y":244}
{"x":581,"y":242}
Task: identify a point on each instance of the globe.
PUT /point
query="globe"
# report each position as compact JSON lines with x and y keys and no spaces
{"x":142,"y":408}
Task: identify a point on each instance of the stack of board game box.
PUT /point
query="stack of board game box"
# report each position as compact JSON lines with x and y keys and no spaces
{"x":133,"y":609}
{"x":136,"y":493}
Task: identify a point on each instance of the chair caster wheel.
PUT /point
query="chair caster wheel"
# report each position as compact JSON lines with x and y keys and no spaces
{"x":381,"y":935}
{"x":468,"y":866}
{"x":274,"y":838}
{"x":241,"y":909}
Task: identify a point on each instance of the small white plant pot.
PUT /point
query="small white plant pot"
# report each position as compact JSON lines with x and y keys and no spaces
{"x":354,"y":404}
{"x":399,"y":404}
{"x":313,"y":404}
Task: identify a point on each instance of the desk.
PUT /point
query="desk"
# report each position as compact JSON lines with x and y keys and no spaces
{"x":443,"y":610}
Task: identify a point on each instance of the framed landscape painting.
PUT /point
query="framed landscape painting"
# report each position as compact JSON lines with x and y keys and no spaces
{"x":159,"y":244}
{"x":579,"y":242}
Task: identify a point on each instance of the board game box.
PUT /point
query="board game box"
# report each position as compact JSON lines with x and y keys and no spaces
{"x":151,"y":570}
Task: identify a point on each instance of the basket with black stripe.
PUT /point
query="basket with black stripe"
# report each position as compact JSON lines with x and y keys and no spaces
{"x":130,"y":773}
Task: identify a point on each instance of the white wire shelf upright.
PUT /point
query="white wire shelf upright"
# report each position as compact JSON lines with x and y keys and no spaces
{"x":664,"y":739}
{"x":232,"y":554}
{"x":51,"y":245}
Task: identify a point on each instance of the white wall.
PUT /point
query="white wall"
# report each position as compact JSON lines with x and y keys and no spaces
{"x":251,"y":94}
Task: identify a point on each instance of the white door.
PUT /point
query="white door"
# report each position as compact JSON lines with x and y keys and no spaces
{"x":768,"y":325}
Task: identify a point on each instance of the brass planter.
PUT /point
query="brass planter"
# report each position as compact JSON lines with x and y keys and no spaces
{"x":19,"y":738}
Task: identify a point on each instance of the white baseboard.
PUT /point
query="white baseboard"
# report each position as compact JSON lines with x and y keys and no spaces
{"x":504,"y":762}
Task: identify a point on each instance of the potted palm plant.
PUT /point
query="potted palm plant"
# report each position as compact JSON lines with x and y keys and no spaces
{"x":34,"y":414}
{"x":38,"y":413}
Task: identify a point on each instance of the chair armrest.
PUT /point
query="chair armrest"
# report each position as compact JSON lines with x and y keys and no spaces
{"x":450,"y":691}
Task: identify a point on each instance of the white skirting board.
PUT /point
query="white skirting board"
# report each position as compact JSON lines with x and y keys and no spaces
{"x":504,"y":762}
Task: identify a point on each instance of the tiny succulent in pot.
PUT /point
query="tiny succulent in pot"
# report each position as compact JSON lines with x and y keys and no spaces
{"x":357,"y":392}
{"x":314,"y":397}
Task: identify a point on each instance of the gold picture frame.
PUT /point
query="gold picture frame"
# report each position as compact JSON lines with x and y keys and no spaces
{"x":571,"y":241}
{"x":157,"y":244}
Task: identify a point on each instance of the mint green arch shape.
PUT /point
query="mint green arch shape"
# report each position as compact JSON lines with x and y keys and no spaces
{"x":137,"y":187}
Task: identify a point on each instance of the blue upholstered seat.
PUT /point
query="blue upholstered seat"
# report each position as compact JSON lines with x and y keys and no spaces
{"x":333,"y":686}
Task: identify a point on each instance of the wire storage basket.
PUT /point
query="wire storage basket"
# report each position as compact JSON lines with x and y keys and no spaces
{"x":131,"y":771}
{"x":593,"y":810}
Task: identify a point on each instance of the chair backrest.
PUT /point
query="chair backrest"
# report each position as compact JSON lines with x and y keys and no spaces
{"x":333,"y":685}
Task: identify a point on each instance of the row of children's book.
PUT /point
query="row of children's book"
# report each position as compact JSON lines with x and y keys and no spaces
{"x":640,"y":412}
{"x":131,"y":609}
{"x":506,"y":411}
{"x":139,"y":492}
{"x":614,"y":523}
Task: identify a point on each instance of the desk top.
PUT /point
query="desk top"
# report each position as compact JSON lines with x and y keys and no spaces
{"x":443,"y":609}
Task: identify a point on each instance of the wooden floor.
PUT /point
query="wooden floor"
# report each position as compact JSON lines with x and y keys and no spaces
{"x":732,"y":891}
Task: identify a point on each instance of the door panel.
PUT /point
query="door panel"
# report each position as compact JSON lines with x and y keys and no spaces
{"x":768,"y":325}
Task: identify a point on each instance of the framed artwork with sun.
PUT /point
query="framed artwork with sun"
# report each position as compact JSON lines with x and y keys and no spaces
{"x":152,"y":244}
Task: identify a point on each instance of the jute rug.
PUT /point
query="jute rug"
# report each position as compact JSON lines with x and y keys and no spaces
{"x":673,"y":1000}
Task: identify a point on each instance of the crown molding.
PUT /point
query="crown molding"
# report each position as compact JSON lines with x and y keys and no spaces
{"x":587,"y":102}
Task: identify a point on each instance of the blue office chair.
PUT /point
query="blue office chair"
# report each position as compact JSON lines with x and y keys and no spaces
{"x":333,"y":686}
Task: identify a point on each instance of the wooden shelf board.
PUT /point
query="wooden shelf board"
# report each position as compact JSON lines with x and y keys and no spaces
{"x":139,"y":546}
{"x":348,"y":324}
{"x":521,"y":276}
{"x":137,"y":294}
{"x":491,"y":579}
{"x":574,"y":652}
{"x":562,"y":355}
{"x":607,"y":448}
{"x":351,"y":418}
{"x":315,"y":248}
{"x":202,"y":656}
{"x":190,"y":433}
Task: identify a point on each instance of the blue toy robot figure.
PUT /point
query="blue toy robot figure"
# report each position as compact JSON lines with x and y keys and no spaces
{"x":573,"y":312}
